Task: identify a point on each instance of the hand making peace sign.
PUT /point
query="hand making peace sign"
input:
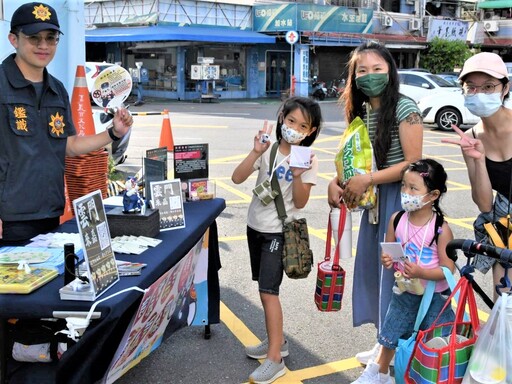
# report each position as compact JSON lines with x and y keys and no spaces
{"x":471,"y":147}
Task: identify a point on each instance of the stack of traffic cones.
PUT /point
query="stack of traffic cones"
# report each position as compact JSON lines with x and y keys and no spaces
{"x":166,"y":139}
{"x":85,"y":173}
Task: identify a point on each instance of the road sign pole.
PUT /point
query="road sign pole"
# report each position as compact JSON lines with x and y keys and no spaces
{"x":291,"y":70}
{"x":291,"y":38}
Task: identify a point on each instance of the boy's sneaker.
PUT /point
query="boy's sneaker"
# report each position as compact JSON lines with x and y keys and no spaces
{"x":371,"y":375}
{"x":371,"y":355}
{"x":259,"y":351}
{"x":267,"y":372}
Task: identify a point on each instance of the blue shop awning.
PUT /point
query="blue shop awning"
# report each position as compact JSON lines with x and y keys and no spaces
{"x":175,"y":33}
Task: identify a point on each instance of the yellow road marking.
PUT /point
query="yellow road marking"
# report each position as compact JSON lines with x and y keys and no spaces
{"x":246,"y":337}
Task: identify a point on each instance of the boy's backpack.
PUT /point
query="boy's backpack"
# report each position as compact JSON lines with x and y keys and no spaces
{"x":438,"y":225}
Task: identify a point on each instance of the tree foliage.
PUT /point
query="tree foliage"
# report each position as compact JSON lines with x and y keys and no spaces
{"x":444,"y":55}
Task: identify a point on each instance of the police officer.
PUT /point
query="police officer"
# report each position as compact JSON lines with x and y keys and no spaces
{"x":36,"y":129}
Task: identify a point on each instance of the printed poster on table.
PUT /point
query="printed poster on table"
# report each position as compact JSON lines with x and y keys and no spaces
{"x":159,"y":154}
{"x":176,"y":300}
{"x":166,"y":196}
{"x":190,"y":162}
{"x":95,"y":236}
{"x":154,"y":170}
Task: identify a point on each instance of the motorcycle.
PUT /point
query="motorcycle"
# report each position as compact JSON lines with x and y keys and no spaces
{"x":336,"y":88}
{"x":317,"y":89}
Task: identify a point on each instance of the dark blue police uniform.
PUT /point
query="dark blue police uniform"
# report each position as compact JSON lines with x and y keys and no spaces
{"x":32,"y":151}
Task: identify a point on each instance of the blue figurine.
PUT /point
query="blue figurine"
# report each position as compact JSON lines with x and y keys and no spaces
{"x":132,"y":202}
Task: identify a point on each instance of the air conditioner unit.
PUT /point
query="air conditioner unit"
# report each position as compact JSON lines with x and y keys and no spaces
{"x":491,"y":26}
{"x":387,"y":21}
{"x":488,"y":15}
{"x":414,"y":24}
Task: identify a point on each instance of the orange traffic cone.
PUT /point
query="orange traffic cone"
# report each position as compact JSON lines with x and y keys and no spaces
{"x":81,"y":105}
{"x":68,"y":211}
{"x":166,"y":139}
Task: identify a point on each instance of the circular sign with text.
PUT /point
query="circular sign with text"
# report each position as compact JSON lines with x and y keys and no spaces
{"x":292,"y":37}
{"x":112,"y":87}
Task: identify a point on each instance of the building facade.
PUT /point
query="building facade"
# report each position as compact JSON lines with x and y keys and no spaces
{"x":239,"y":49}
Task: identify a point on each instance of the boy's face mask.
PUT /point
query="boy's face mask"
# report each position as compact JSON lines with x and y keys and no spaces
{"x":292,"y":136}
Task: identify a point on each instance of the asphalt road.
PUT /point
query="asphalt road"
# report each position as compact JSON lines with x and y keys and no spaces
{"x":322,"y":345}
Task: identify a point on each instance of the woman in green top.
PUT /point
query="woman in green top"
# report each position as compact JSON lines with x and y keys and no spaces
{"x":396,"y":130}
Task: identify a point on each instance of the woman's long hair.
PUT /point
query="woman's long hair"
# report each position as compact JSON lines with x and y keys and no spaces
{"x":354,"y":99}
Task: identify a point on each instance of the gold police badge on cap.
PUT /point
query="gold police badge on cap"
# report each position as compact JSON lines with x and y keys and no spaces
{"x":41,"y":13}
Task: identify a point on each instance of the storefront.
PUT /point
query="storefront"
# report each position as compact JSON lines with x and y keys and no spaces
{"x":168,"y":52}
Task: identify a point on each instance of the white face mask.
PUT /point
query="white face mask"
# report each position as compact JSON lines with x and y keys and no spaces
{"x":483,"y":105}
{"x":292,"y":136}
{"x":411,"y":203}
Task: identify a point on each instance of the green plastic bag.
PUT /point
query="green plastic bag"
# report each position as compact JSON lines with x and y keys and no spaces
{"x":355,"y":157}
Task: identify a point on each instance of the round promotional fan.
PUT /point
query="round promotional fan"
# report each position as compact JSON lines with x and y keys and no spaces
{"x":112,"y":87}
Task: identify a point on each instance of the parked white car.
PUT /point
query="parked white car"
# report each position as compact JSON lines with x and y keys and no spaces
{"x":445,"y":109}
{"x":418,"y":84}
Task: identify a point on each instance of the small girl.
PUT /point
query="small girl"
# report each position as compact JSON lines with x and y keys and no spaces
{"x":298,"y":123}
{"x":423,"y":234}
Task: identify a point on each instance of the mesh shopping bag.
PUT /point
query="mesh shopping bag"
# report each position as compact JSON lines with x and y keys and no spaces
{"x":330,"y":280}
{"x":442,"y":352}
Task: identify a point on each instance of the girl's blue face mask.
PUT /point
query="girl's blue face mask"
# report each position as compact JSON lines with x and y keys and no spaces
{"x":482,"y":104}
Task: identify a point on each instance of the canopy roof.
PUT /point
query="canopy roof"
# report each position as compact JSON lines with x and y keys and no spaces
{"x":175,"y":33}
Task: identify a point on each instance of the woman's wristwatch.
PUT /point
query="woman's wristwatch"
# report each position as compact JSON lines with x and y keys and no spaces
{"x":111,"y":134}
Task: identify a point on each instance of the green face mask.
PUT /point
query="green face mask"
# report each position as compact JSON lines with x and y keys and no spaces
{"x":373,"y":84}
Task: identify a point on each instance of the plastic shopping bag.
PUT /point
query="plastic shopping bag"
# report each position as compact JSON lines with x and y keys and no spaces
{"x":355,"y":157}
{"x":491,"y":362}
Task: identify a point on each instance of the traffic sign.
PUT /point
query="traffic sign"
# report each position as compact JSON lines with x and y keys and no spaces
{"x":292,"y":37}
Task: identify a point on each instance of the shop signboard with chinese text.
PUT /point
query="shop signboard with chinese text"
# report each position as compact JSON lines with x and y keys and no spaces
{"x":309,"y":17}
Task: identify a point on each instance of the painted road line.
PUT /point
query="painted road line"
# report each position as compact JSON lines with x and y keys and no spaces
{"x":246,"y":198}
{"x":246,"y":337}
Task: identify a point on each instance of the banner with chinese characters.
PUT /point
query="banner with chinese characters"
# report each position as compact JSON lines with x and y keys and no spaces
{"x":177,"y":299}
{"x":308,"y":17}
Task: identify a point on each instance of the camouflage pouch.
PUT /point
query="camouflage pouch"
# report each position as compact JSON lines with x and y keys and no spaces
{"x":297,"y":256}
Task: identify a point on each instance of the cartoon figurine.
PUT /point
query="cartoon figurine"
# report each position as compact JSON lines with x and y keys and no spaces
{"x":132,"y":202}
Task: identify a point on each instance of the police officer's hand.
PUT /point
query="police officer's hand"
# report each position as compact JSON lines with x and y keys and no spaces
{"x":123,"y":121}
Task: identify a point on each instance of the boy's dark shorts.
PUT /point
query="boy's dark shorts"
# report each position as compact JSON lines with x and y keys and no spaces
{"x":265,"y":250}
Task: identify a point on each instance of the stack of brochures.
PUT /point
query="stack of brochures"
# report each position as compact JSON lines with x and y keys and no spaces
{"x":77,"y":290}
{"x":133,"y":244}
{"x":127,"y":268}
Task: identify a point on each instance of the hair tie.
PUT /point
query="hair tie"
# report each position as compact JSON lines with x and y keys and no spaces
{"x":423,"y":174}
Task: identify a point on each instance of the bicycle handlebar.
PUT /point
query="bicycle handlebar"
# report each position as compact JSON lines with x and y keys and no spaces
{"x":473,"y":247}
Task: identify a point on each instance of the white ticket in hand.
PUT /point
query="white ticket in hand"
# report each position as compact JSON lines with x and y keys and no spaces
{"x":300,"y":157}
{"x":395,"y":250}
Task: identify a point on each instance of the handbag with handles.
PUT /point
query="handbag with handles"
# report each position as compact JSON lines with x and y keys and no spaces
{"x":406,"y":346}
{"x":446,"y":363}
{"x":330,"y":280}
